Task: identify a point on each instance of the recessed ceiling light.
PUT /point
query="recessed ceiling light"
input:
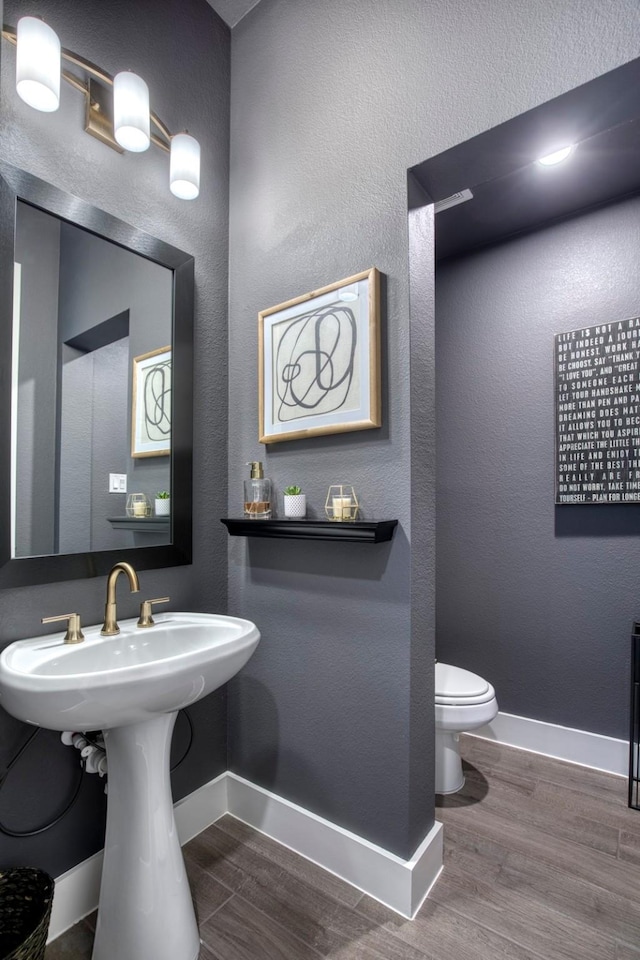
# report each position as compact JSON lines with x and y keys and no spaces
{"x":556,"y":157}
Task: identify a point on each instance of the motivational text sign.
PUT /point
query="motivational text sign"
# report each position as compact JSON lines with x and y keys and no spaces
{"x":598,"y":413}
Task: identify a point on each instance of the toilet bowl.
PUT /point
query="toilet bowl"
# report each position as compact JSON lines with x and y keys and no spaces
{"x":464,"y":701}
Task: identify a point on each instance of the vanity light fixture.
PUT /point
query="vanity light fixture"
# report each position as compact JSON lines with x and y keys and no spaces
{"x":557,"y":156}
{"x":123,"y":121}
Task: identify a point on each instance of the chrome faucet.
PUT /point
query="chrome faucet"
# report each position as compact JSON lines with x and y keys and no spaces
{"x":110,"y":625}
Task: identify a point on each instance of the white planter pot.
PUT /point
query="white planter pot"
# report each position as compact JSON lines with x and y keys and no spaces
{"x":163,"y":508}
{"x":295,"y":506}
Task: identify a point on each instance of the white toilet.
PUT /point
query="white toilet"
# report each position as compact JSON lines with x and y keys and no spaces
{"x":464,"y":701}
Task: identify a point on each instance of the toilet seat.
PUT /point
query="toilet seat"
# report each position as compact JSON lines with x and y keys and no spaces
{"x":458,"y":688}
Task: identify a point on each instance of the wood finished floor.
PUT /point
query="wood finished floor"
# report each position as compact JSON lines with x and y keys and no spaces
{"x":542,"y":862}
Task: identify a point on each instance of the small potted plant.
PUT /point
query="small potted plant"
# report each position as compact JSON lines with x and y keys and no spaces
{"x":163,"y":503}
{"x":295,"y":502}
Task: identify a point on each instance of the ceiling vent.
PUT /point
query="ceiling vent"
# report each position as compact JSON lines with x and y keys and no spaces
{"x":460,"y":197}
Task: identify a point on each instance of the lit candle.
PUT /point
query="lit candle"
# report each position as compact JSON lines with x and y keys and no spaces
{"x":341,"y":508}
{"x":139,"y":508}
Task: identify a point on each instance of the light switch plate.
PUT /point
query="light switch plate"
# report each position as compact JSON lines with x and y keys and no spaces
{"x":117,"y":483}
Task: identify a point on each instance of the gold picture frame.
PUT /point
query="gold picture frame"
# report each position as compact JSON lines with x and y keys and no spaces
{"x":151,"y":404}
{"x":319,"y":361}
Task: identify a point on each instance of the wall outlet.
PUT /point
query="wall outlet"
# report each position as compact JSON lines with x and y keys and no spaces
{"x":117,"y":483}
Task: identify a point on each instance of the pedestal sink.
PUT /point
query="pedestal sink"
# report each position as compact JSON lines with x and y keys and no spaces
{"x":131,"y":686}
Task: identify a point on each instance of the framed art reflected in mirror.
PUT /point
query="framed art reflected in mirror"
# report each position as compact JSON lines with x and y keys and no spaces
{"x":151,"y":404}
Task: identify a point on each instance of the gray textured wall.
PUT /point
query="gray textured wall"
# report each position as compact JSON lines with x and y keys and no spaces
{"x":182,"y":50}
{"x":76,"y":469}
{"x":38,"y":253}
{"x":332,"y":101}
{"x":537,"y":598}
{"x":110,"y":408}
{"x":94,"y":435}
{"x":99,"y":280}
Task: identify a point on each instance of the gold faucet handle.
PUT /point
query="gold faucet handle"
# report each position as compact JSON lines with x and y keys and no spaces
{"x":74,"y":634}
{"x":146,"y":620}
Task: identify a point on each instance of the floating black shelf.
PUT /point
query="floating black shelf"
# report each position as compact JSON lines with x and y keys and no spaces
{"x":357,"y":531}
{"x":141,"y":524}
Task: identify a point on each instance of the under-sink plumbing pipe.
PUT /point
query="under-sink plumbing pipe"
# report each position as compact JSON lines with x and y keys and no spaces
{"x":93,"y":756}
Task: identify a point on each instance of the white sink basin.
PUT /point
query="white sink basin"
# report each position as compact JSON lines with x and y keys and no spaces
{"x":131,"y":687}
{"x":107,"y":682}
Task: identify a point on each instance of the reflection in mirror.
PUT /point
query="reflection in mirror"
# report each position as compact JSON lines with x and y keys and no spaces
{"x":85,"y":310}
{"x":96,"y":371}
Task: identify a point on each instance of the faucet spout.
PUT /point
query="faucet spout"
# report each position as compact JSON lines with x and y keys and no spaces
{"x":110,"y":626}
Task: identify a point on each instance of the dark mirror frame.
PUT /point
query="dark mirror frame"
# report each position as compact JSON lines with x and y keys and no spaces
{"x":16,"y":185}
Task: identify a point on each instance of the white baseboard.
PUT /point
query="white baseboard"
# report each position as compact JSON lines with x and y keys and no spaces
{"x":76,"y":895}
{"x":563,"y":743}
{"x":77,"y":891}
{"x":400,"y":884}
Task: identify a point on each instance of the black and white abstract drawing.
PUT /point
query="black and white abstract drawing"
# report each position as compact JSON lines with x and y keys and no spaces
{"x":151,"y":404}
{"x":316,"y":363}
{"x":319,"y":361}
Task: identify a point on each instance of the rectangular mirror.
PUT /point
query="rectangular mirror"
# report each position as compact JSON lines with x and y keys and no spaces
{"x":96,"y":326}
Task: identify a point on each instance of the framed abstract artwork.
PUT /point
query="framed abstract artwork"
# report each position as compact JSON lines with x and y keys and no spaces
{"x":319,"y":361}
{"x":151,"y":404}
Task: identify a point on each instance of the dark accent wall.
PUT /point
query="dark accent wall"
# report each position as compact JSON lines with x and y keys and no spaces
{"x":538,"y":599}
{"x":183,"y":51}
{"x":332,"y":101}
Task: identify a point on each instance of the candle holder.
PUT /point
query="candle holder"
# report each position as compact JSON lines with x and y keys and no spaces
{"x":138,"y":505}
{"x":341,"y":504}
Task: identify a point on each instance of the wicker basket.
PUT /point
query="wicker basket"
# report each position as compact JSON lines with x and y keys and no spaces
{"x":26,"y":895}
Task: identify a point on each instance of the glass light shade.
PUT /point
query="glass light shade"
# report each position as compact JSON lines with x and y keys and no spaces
{"x":184,"y":167}
{"x":131,"y":124}
{"x":38,"y":64}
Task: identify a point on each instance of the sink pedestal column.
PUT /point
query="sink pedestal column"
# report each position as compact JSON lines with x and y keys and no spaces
{"x":145,"y":911}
